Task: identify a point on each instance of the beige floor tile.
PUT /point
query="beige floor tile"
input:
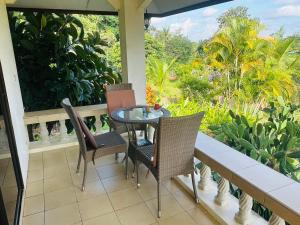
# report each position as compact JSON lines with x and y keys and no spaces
{"x":35,"y":188}
{"x":169,"y":206}
{"x":92,"y":190}
{"x":124,"y":198}
{"x":111,"y":170}
{"x":55,"y":158}
{"x":185,"y":200}
{"x":148,"y":190}
{"x":136,"y":215}
{"x":57,"y":183}
{"x":117,"y":183}
{"x":34,"y":205}
{"x":179,"y":219}
{"x":35,"y":162}
{"x":65,"y":215}
{"x":90,"y":176}
{"x":172,"y":186}
{"x":59,"y":198}
{"x":35,"y":219}
{"x":57,"y":171}
{"x":108,"y":160}
{"x":35,"y":175}
{"x":108,"y":219}
{"x":200,"y":216}
{"x":95,"y":207}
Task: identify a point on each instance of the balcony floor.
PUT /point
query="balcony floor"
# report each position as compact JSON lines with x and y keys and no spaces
{"x":53,"y":195}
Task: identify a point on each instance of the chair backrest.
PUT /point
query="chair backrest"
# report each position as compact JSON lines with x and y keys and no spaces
{"x":176,"y":137}
{"x":114,"y":87}
{"x":65,"y":103}
{"x":119,"y":96}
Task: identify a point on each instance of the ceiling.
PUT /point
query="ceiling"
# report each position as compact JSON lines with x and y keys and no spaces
{"x":158,"y":8}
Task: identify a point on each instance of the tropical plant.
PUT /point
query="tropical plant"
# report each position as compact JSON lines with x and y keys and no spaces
{"x":275,"y":142}
{"x":158,"y":73}
{"x":55,"y":60}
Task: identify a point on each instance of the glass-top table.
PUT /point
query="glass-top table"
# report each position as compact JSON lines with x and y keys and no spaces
{"x":139,"y":115}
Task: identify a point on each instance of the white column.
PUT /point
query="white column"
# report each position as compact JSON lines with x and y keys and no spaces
{"x":205,"y":177}
{"x":132,"y":42}
{"x":276,"y":220}
{"x":44,"y":133}
{"x":223,"y":192}
{"x":63,"y":130}
{"x":244,"y":214}
{"x":98,"y":125}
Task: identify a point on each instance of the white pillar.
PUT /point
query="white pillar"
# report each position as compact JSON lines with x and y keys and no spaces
{"x":243,"y":216}
{"x":13,"y":90}
{"x":223,"y":192}
{"x":132,"y":42}
{"x":276,"y":220}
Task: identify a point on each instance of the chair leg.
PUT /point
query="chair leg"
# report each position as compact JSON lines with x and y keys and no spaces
{"x":84,"y":176}
{"x":137,"y":173}
{"x":158,"y":200}
{"x":116,"y":156}
{"x":194,"y":187}
{"x":79,"y":161}
{"x":126,"y":165}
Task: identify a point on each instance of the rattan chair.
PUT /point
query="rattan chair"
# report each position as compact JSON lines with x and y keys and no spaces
{"x":107,"y":143}
{"x":172,"y":153}
{"x":120,"y":128}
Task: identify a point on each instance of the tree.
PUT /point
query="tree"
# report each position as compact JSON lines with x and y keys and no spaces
{"x":56,"y":60}
{"x":180,"y":47}
{"x":234,"y":13}
{"x":157,"y":74}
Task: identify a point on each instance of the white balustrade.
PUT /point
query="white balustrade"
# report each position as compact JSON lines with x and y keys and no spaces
{"x":244,"y":214}
{"x":63,"y":130}
{"x":44,"y":133}
{"x":223,"y":192}
{"x":276,"y":220}
{"x":63,"y":139}
{"x":205,"y":177}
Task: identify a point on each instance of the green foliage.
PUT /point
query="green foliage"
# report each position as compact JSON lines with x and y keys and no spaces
{"x":216,"y":114}
{"x":238,"y":12}
{"x":158,"y":74}
{"x":275,"y":142}
{"x":55,"y":59}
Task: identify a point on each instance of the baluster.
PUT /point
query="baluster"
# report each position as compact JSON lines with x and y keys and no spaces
{"x":244,"y":214}
{"x":63,"y":129}
{"x":44,"y":132}
{"x":98,"y":125}
{"x":205,"y":177}
{"x":276,"y":220}
{"x":223,"y":191}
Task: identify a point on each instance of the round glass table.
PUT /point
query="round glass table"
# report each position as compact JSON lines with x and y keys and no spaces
{"x":139,"y":115}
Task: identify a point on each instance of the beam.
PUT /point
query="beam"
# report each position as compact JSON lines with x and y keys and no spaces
{"x":115,"y":4}
{"x":144,"y":4}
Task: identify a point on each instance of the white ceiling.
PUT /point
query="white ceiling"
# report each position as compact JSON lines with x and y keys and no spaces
{"x":156,"y":7}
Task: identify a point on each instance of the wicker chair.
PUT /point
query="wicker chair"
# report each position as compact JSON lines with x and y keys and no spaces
{"x":120,"y":128}
{"x":106,"y":144}
{"x":172,"y":153}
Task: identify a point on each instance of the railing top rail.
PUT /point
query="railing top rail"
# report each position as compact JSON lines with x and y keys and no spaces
{"x":275,"y":191}
{"x":60,"y":114}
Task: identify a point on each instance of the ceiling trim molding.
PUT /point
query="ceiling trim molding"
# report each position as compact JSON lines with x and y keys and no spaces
{"x":189,"y":8}
{"x":144,"y":4}
{"x":67,"y":11}
{"x":95,"y":12}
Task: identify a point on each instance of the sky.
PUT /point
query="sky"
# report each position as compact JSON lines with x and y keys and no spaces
{"x":202,"y":23}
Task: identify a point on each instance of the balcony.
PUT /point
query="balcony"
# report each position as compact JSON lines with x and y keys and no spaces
{"x":53,"y":194}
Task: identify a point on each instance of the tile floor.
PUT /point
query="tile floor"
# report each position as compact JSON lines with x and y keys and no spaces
{"x":53,"y":195}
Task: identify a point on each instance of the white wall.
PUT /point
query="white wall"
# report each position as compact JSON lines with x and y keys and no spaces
{"x":9,"y":68}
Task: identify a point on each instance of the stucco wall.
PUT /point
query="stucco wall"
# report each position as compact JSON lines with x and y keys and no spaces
{"x":13,"y":89}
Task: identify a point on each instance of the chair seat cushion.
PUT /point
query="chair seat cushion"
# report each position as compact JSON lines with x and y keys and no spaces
{"x":107,"y":140}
